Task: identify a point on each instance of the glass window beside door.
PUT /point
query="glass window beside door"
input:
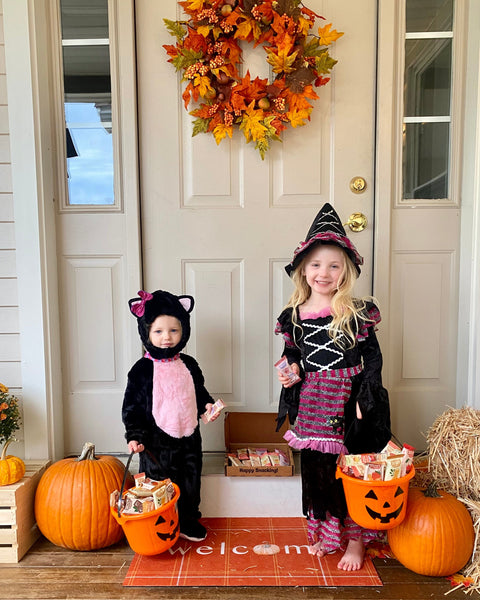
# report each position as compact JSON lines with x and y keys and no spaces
{"x":427,"y":117}
{"x":87,"y":102}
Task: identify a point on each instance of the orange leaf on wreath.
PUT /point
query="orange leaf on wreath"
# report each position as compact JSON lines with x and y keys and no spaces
{"x":203,"y":112}
{"x":248,"y":30}
{"x":283,"y":61}
{"x":186,"y":94}
{"x":195,"y":42}
{"x":252,"y":128}
{"x":216,"y":120}
{"x":321,"y":81}
{"x":221,"y":131}
{"x":298,"y":118}
{"x":171,"y":50}
{"x":311,"y":14}
{"x":193,"y":4}
{"x":202,"y":83}
{"x":283,"y":26}
{"x":327,"y":36}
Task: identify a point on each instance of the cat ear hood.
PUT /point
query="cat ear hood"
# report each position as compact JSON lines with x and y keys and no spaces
{"x":326,"y":228}
{"x":147,"y":307}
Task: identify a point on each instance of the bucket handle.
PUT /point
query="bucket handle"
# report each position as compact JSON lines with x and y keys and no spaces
{"x":120,"y":497}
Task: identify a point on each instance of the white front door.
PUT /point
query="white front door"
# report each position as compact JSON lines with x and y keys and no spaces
{"x":220,"y":224}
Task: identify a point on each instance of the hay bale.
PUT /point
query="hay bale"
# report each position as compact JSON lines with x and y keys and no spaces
{"x":454,"y":452}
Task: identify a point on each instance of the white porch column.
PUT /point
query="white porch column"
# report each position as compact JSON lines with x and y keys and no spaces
{"x":26,"y":48}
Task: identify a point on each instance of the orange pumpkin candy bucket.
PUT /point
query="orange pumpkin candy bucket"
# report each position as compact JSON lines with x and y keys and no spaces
{"x":376,"y":505}
{"x":152,"y":532}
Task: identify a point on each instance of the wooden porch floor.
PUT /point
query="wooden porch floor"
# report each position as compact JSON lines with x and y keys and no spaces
{"x":48,"y":572}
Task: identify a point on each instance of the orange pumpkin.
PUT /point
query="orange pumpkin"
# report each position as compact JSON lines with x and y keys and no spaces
{"x":437,"y":535}
{"x":12,"y":468}
{"x":72,"y":501}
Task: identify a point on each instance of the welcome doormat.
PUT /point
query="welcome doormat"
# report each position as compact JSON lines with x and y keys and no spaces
{"x":228,"y":557}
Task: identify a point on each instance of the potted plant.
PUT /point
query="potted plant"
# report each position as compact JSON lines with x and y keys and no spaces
{"x":12,"y":469}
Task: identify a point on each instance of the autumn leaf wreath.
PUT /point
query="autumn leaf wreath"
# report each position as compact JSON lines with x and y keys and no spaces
{"x":208,"y":53}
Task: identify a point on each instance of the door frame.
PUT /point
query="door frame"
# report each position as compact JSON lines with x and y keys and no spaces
{"x":32,"y":150}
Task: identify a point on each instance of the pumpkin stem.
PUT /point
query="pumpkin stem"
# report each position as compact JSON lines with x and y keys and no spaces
{"x":4,"y":450}
{"x":88,"y":452}
{"x":431,"y":491}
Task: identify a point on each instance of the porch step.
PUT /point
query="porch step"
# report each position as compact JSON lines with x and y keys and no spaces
{"x":247,"y":496}
{"x":251,"y":496}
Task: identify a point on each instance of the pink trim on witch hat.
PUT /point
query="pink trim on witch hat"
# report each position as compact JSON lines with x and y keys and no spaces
{"x":327,"y":228}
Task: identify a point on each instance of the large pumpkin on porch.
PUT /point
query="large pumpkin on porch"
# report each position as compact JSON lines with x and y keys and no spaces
{"x":437,"y":535}
{"x":72,"y":501}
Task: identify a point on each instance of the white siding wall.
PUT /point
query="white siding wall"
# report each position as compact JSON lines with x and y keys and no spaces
{"x":10,"y":371}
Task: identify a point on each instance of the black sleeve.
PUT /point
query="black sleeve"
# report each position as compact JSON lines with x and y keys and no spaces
{"x":372,"y":432}
{"x":137,"y":402}
{"x":289,"y":397}
{"x":285,"y":328}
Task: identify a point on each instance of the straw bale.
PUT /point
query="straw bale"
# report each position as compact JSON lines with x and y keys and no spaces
{"x":454,"y":452}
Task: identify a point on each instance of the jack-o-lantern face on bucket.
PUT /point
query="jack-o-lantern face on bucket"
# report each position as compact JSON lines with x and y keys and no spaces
{"x":168,"y":532}
{"x":382,"y":506}
{"x":376,"y":504}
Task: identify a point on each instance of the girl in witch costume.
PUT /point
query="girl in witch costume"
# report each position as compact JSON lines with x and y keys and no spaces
{"x":340,"y":405}
{"x":164,"y":398}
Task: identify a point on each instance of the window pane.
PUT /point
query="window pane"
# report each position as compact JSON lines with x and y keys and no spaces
{"x":84,"y":19}
{"x":426,"y":160}
{"x":428,"y":76}
{"x":429,"y":15}
{"x":86,"y":69}
{"x":88,"y":102}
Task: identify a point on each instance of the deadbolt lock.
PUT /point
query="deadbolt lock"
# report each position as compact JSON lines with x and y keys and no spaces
{"x":358,"y":185}
{"x":357,"y":221}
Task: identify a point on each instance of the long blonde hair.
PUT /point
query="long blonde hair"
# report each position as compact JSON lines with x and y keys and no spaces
{"x":346,"y":310}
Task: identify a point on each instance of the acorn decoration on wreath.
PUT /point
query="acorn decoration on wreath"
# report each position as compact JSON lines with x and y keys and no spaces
{"x":208,"y":53}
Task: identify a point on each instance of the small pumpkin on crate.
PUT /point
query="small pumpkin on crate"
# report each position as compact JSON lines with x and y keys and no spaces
{"x":72,"y":501}
{"x":436,"y":537}
{"x":12,"y":468}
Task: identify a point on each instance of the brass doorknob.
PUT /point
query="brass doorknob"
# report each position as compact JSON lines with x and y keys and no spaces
{"x":357,"y":221}
{"x":358,"y":185}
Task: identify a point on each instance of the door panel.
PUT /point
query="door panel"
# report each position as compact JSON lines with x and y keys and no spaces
{"x":219,"y":223}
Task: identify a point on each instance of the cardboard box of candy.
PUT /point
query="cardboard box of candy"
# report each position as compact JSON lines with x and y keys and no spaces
{"x":254,"y":448}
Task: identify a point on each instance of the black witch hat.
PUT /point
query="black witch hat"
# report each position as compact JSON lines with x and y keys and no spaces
{"x":327,"y":229}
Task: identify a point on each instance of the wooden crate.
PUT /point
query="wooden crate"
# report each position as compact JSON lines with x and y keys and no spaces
{"x":18,"y":529}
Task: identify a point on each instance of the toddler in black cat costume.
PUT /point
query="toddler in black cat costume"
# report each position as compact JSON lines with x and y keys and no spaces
{"x":164,"y":398}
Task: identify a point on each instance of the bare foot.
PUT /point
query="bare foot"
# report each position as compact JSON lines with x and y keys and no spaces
{"x":352,"y":560}
{"x":317,"y":549}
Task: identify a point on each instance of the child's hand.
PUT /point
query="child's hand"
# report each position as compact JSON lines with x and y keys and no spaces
{"x":213,"y":416}
{"x":134,"y":446}
{"x":284,"y":379}
{"x":208,"y":410}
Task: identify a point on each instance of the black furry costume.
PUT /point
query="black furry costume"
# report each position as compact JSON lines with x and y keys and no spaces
{"x":180,"y":459}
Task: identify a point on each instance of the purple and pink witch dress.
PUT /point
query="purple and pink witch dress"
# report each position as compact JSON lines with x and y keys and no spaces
{"x":322,"y":414}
